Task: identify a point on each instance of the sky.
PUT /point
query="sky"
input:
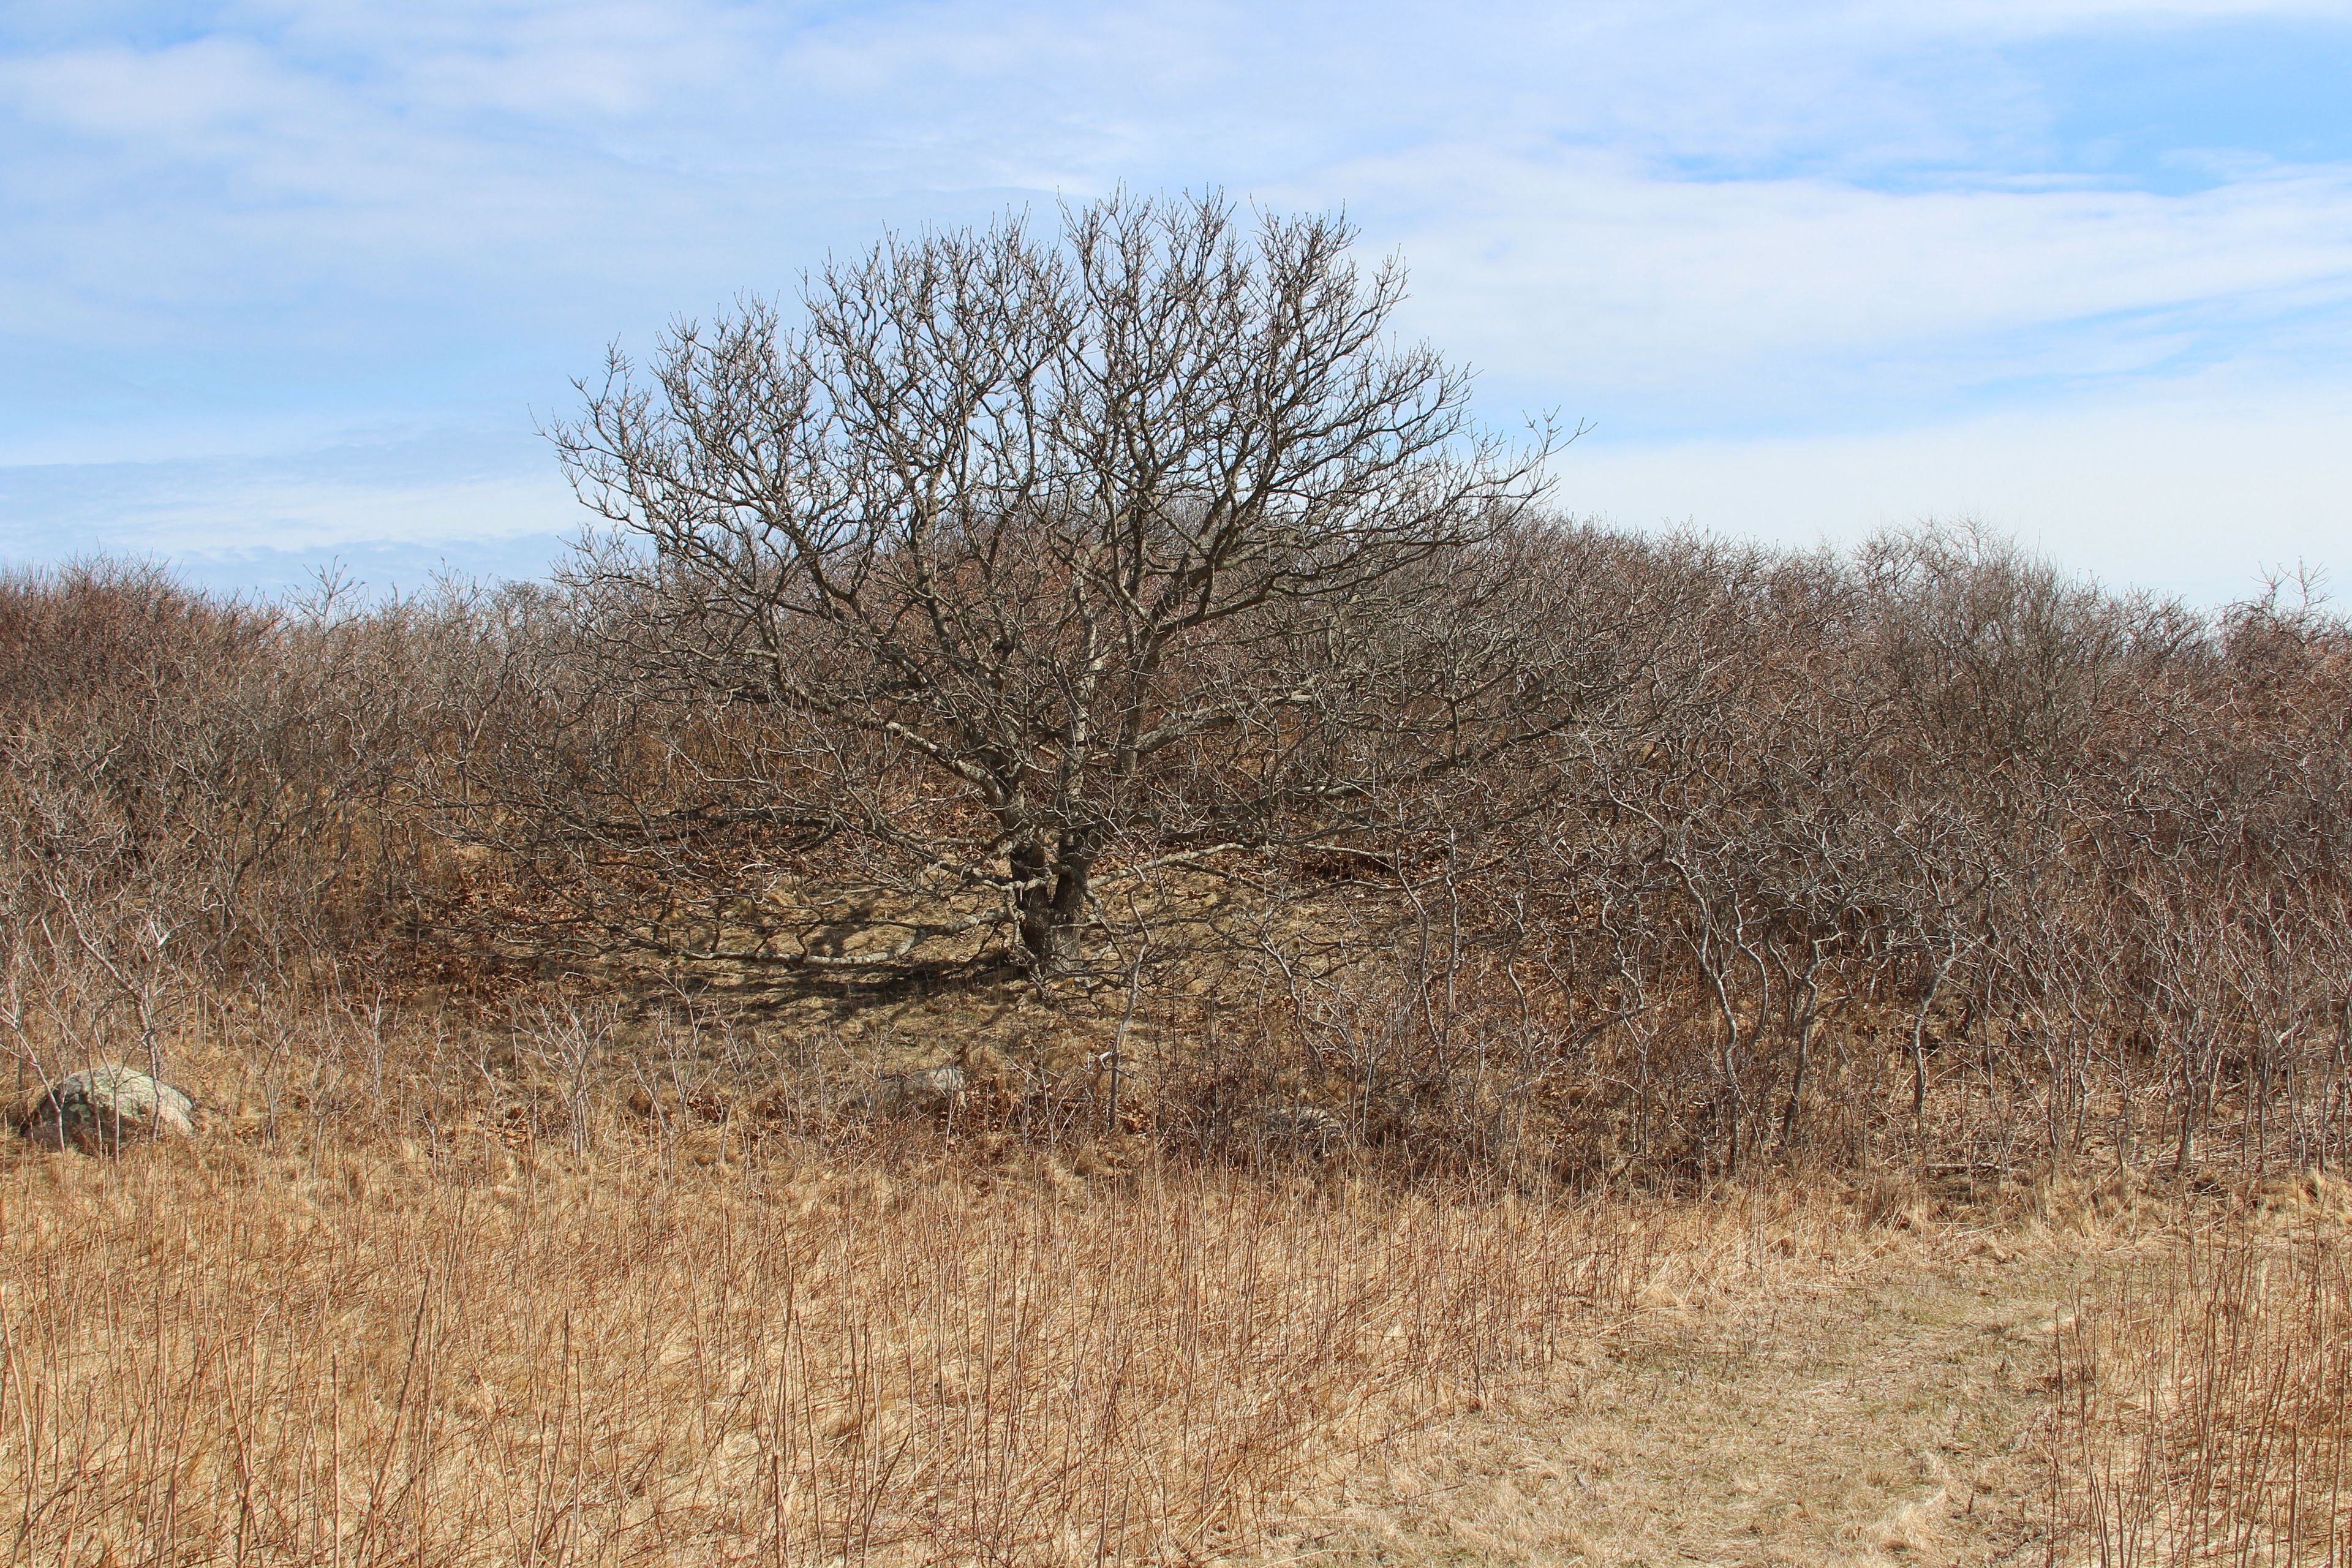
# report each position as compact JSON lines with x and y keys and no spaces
{"x":290,"y":281}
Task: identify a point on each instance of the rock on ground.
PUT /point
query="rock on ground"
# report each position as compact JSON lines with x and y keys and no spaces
{"x":102,"y":1109}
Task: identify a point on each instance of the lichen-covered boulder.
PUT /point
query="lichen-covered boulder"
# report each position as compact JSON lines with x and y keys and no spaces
{"x":100,"y":1110}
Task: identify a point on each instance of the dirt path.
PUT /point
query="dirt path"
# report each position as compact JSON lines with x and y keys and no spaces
{"x":1872,"y":1418}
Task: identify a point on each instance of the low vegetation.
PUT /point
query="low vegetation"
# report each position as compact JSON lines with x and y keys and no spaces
{"x":2204,"y":1393}
{"x":854,"y":1361}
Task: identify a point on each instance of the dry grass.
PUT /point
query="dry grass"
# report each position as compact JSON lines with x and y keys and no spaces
{"x":232,"y":1359}
{"x":434,"y":1295}
{"x":2204,"y":1393}
{"x":1871,"y":1403}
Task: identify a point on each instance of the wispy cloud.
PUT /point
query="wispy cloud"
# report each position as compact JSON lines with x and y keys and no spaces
{"x":1768,"y":300}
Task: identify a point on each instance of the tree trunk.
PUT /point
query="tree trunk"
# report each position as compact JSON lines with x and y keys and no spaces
{"x":1053,"y":884}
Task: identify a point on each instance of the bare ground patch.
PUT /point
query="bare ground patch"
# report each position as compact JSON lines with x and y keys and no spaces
{"x":1870,"y":1409}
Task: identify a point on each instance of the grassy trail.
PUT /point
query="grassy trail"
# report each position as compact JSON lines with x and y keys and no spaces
{"x":1875,"y":1415}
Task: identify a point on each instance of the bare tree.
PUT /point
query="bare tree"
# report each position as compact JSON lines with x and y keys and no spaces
{"x":1052,"y":556}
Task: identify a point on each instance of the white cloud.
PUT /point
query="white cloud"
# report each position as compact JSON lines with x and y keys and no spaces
{"x":440,"y":485}
{"x":1579,"y":270}
{"x":2189,"y":492}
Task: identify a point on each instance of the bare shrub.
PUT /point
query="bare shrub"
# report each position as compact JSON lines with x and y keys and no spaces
{"x":190,"y":790}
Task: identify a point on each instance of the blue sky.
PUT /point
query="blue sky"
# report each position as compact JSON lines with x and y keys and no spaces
{"x":282,"y":281}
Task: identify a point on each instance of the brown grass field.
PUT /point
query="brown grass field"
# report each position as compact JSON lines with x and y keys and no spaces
{"x":928,"y":1347}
